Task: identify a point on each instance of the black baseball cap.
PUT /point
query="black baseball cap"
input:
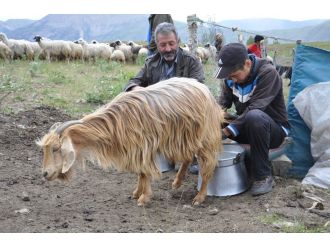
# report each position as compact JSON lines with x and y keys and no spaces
{"x":258,"y":38}
{"x":231,"y":56}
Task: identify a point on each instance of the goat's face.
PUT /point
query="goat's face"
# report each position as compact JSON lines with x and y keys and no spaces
{"x":59,"y":156}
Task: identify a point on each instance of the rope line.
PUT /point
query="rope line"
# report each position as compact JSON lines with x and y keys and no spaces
{"x":236,"y":29}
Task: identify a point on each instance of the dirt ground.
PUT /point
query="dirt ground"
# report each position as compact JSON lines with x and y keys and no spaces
{"x":96,"y":200}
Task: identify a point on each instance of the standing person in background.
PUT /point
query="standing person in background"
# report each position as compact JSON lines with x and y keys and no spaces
{"x":154,"y":20}
{"x":255,"y":48}
{"x":218,"y":45}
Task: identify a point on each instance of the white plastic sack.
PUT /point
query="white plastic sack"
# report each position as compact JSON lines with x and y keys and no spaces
{"x":313,"y":105}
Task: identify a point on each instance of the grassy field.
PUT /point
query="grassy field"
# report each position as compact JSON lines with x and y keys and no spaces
{"x":79,"y":88}
{"x":284,"y":52}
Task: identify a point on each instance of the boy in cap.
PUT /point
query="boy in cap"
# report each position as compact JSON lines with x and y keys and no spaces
{"x":255,"y":48}
{"x":255,"y":88}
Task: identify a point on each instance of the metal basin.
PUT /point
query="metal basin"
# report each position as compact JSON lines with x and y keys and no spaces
{"x":163,"y":164}
{"x":230,"y":176}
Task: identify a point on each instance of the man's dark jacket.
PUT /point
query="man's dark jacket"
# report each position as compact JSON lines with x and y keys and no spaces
{"x":187,"y":65}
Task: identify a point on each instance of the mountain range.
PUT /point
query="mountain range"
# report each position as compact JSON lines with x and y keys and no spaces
{"x":107,"y":27}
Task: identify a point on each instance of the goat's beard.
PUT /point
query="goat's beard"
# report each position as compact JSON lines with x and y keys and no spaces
{"x":65,"y":176}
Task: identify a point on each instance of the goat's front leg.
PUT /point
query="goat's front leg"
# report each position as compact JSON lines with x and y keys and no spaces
{"x":143,"y":190}
{"x":138,"y":190}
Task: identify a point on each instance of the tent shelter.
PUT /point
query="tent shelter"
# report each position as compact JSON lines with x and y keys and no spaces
{"x":311,"y":66}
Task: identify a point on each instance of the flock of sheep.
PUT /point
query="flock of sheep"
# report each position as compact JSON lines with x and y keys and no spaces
{"x":57,"y":50}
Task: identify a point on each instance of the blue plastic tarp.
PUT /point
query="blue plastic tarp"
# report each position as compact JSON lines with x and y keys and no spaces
{"x":311,"y":65}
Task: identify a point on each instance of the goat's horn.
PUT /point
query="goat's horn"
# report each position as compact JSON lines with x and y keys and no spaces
{"x":65,"y":125}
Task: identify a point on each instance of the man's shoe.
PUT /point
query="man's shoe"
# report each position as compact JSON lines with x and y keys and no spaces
{"x":263,"y":186}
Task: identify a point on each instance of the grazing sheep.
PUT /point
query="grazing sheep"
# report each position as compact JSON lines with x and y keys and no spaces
{"x":212,"y":50}
{"x":177,"y":118}
{"x":96,"y":50}
{"x":126,"y":49}
{"x":185,"y":47}
{"x":5,"y":52}
{"x":76,"y":51}
{"x":118,"y":56}
{"x":36,"y":49}
{"x":203,"y":54}
{"x":20,"y":48}
{"x":135,"y":47}
{"x":143,"y":52}
{"x":54,"y":48}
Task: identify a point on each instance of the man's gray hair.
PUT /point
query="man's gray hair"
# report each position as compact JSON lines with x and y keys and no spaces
{"x":166,"y":28}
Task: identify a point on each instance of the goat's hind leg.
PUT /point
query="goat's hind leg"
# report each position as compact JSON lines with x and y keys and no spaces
{"x":180,"y":174}
{"x":206,"y":170}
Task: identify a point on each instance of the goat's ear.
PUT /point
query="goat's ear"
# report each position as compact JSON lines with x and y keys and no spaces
{"x":68,"y":154}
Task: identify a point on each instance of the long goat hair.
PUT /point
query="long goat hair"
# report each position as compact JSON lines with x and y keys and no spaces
{"x":178,"y":118}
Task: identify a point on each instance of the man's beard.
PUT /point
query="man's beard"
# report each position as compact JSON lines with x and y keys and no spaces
{"x":169,"y":56}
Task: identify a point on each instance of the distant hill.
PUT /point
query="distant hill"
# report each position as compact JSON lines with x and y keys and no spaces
{"x":104,"y":27}
{"x":89,"y":27}
{"x":320,"y":32}
{"x":269,"y":24}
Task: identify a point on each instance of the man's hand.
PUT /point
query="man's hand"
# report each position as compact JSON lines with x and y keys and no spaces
{"x":225,"y":133}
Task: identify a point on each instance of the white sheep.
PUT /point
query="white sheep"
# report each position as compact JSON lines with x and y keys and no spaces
{"x":126,"y":49}
{"x":203,"y":54}
{"x":93,"y":51}
{"x":143,"y":52}
{"x":5,"y":52}
{"x":118,"y":56}
{"x":54,"y":48}
{"x":20,"y":48}
{"x":185,"y":47}
{"x":77,"y":51}
{"x":212,"y":50}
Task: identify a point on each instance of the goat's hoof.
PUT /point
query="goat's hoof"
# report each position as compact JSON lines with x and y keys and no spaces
{"x":198,"y":200}
{"x":143,"y":200}
{"x":176,"y":184}
{"x":136,"y":194}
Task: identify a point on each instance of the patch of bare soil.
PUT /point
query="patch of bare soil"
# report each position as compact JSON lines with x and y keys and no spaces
{"x":96,"y":200}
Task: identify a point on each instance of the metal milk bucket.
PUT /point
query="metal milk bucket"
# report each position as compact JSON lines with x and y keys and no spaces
{"x":163,"y":163}
{"x":230,"y":176}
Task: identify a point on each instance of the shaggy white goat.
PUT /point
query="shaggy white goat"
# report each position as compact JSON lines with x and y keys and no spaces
{"x":177,"y":118}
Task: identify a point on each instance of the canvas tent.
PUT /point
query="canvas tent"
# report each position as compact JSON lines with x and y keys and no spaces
{"x":311,"y":66}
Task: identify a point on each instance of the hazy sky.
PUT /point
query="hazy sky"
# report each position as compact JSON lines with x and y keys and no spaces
{"x":179,"y":9}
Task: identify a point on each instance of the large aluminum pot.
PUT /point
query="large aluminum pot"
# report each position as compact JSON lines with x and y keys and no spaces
{"x":230,"y":176}
{"x":163,"y":163}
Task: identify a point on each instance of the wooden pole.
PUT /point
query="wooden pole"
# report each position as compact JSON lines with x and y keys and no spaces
{"x":192,"y":29}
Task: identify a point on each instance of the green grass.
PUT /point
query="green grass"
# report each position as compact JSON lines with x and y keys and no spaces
{"x":79,"y":88}
{"x":284,"y":52}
